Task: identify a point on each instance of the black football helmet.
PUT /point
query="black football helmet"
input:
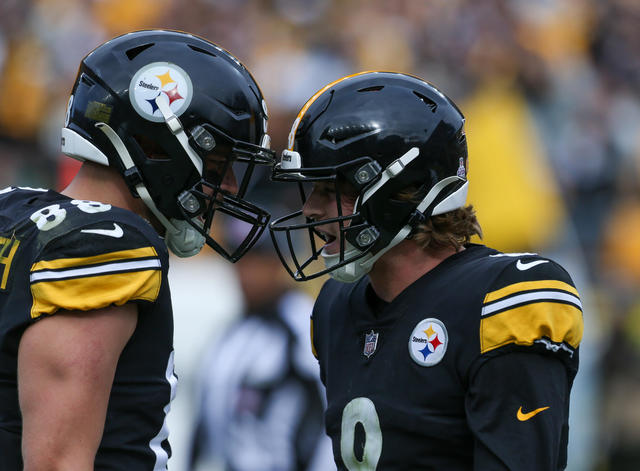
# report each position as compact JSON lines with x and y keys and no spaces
{"x":377,"y":133}
{"x":188,"y":100}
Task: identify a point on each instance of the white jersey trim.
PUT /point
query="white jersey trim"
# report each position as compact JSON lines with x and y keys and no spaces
{"x":528,"y":297}
{"x":97,"y":270}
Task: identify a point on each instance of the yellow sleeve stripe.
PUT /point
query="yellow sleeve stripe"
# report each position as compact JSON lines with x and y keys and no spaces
{"x":529,"y":286}
{"x":94,"y":292}
{"x":527,"y":324}
{"x":102,"y":258}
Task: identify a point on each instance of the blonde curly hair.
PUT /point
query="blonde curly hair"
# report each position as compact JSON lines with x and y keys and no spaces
{"x":453,"y":229}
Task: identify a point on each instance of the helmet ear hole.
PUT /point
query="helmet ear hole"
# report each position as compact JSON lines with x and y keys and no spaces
{"x":151,"y":148}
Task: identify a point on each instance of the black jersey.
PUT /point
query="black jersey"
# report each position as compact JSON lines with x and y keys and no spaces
{"x":469,"y":368}
{"x":58,"y":253}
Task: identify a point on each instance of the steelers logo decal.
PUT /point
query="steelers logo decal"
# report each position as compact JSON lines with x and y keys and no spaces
{"x":428,"y":342}
{"x":160,"y":79}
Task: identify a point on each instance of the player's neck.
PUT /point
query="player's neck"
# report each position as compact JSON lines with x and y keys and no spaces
{"x":100,"y":183}
{"x":401,"y":266}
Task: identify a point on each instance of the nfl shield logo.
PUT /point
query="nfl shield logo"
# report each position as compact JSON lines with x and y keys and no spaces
{"x":370,"y":343}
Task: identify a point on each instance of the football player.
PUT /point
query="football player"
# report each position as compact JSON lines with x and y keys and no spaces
{"x":436,"y":353}
{"x":162,"y":120}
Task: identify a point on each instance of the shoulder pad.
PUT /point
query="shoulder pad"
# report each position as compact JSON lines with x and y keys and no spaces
{"x":533,"y":301}
{"x":89,"y":223}
{"x":96,"y":260}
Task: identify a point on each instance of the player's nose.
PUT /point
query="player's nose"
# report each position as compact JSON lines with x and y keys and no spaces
{"x":229,"y":182}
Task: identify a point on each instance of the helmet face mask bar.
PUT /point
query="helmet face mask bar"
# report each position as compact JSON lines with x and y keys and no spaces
{"x":216,"y":199}
{"x":297,"y":264}
{"x":397,"y":142}
{"x":199,"y":204}
{"x":192,"y":103}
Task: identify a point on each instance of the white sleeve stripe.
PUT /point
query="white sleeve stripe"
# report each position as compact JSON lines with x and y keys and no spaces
{"x":528,"y":297}
{"x":116,"y":267}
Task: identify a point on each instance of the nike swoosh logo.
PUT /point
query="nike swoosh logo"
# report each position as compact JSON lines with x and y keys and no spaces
{"x":522,"y":416}
{"x":525,"y":266}
{"x":116,"y":232}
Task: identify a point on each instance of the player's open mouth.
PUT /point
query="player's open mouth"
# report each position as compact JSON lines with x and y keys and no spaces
{"x":331,"y":242}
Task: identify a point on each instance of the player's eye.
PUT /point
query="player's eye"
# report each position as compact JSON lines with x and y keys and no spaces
{"x":347,"y":190}
{"x":324,"y":188}
{"x":215,"y":167}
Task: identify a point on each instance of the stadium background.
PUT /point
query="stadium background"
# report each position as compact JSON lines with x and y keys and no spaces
{"x":551,"y":92}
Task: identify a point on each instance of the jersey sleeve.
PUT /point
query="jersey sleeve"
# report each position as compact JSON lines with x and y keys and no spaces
{"x":89,"y":270}
{"x":532,"y":303}
{"x":517,"y":402}
{"x":517,"y":408}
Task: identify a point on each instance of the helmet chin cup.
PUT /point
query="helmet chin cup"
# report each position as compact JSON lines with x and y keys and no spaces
{"x":350,"y":272}
{"x":353,"y":271}
{"x":185,"y":240}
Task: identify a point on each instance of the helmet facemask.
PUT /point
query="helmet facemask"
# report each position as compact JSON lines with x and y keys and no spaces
{"x":302,"y":237}
{"x":225,"y":159}
{"x":361,"y":241}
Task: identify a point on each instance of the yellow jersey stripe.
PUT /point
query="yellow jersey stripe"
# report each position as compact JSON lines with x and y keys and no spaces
{"x":102,"y":258}
{"x":96,"y":292}
{"x":525,"y":324}
{"x":529,"y":286}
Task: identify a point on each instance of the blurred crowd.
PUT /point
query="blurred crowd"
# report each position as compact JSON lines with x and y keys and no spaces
{"x":550,"y":89}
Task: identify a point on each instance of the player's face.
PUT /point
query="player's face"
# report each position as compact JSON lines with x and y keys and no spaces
{"x":215,"y":165}
{"x":322,"y":203}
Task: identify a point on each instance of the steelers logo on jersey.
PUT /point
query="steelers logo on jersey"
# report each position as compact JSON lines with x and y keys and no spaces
{"x":428,"y":342}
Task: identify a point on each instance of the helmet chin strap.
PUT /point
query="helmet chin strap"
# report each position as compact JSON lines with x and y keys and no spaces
{"x":175,"y":126}
{"x":353,"y":271}
{"x":181,"y":237}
